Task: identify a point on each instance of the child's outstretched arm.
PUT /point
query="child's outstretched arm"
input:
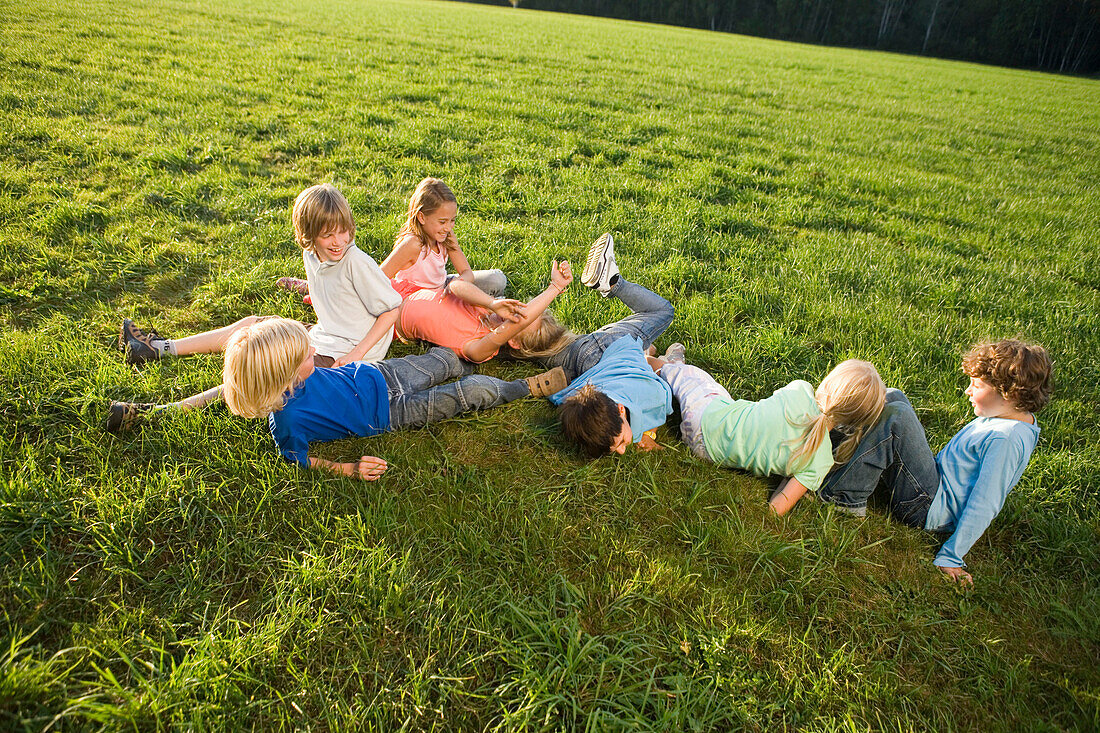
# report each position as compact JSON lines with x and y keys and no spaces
{"x":560,"y":278}
{"x":507,"y":308}
{"x":957,"y":575}
{"x":367,"y":468}
{"x":786,"y":496}
{"x":403,"y":254}
{"x":382,"y":326}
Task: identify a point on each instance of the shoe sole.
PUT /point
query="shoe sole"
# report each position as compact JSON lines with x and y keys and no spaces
{"x":114,"y":420}
{"x":595,"y":263}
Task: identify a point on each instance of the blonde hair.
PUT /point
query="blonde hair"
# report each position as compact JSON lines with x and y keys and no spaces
{"x":426,"y":199}
{"x":261,"y":365}
{"x":319,"y":210}
{"x":851,"y":397}
{"x":547,"y":339}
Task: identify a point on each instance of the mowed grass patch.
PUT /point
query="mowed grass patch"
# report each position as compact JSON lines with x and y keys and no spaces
{"x":798,"y":205}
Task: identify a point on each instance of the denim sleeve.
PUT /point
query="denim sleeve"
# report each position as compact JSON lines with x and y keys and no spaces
{"x":997,"y":474}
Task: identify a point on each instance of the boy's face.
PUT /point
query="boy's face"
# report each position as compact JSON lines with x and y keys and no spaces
{"x":331,"y":246}
{"x":625,"y":437}
{"x":305,"y":368}
{"x":439,"y":224}
{"x":987,"y":401}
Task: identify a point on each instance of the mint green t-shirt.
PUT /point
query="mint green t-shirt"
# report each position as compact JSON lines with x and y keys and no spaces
{"x":757,"y":436}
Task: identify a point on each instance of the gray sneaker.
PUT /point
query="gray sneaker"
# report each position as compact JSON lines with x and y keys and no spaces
{"x":600,"y":271}
{"x":676,"y":352}
{"x":122,"y":417}
{"x":138,"y":345}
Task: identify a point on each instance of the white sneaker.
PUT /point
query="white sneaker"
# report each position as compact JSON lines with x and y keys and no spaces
{"x":600,"y":270}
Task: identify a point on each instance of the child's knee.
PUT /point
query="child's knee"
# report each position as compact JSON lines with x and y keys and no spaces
{"x":494,"y":282}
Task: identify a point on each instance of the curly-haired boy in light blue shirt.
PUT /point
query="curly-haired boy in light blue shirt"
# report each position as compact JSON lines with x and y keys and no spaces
{"x":965,"y":485}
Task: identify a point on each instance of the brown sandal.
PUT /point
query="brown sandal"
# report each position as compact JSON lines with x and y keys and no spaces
{"x":547,"y":383}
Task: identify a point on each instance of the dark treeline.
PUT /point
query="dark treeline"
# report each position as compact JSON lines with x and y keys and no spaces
{"x":1055,"y":35}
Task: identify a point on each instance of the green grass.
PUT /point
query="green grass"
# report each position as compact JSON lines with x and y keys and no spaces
{"x":799,"y":206}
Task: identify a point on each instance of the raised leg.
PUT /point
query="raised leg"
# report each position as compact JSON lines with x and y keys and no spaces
{"x":651,"y":315}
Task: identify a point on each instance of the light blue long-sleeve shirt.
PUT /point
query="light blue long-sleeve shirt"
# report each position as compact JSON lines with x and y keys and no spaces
{"x":624,"y":375}
{"x":981,"y":464}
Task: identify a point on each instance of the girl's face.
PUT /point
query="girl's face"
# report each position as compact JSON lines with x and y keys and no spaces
{"x":987,"y":401}
{"x":439,"y":224}
{"x":331,"y":246}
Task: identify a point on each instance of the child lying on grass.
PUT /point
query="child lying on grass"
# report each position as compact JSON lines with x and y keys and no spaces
{"x":477,"y":334}
{"x":269,"y":372}
{"x":963,"y":487}
{"x":786,"y":434}
{"x":612,"y":356}
{"x":614,"y":397}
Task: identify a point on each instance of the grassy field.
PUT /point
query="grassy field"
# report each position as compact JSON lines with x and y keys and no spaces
{"x":799,"y":206}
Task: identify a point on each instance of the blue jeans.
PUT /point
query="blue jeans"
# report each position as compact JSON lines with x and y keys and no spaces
{"x":651,"y":315}
{"x":895,"y":451}
{"x":418,"y":395}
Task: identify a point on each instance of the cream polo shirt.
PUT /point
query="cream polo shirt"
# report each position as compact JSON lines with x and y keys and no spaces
{"x":348,"y":296}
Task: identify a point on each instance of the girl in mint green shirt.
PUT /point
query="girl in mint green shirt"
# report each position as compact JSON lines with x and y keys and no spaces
{"x":786,"y":434}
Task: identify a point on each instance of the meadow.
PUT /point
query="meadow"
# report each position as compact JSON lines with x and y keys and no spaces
{"x":798,"y":205}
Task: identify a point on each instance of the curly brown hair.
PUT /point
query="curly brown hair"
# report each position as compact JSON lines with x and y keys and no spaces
{"x":1021,"y":372}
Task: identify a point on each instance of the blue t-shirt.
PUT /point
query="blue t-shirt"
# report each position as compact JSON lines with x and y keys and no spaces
{"x":977,"y":469}
{"x":624,"y":375}
{"x":329,"y":405}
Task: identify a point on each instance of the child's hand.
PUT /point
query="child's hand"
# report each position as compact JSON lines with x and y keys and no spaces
{"x":648,"y":443}
{"x":368,"y":468}
{"x":347,"y":358}
{"x":561,"y":275}
{"x":958,"y":575}
{"x":509,"y":309}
